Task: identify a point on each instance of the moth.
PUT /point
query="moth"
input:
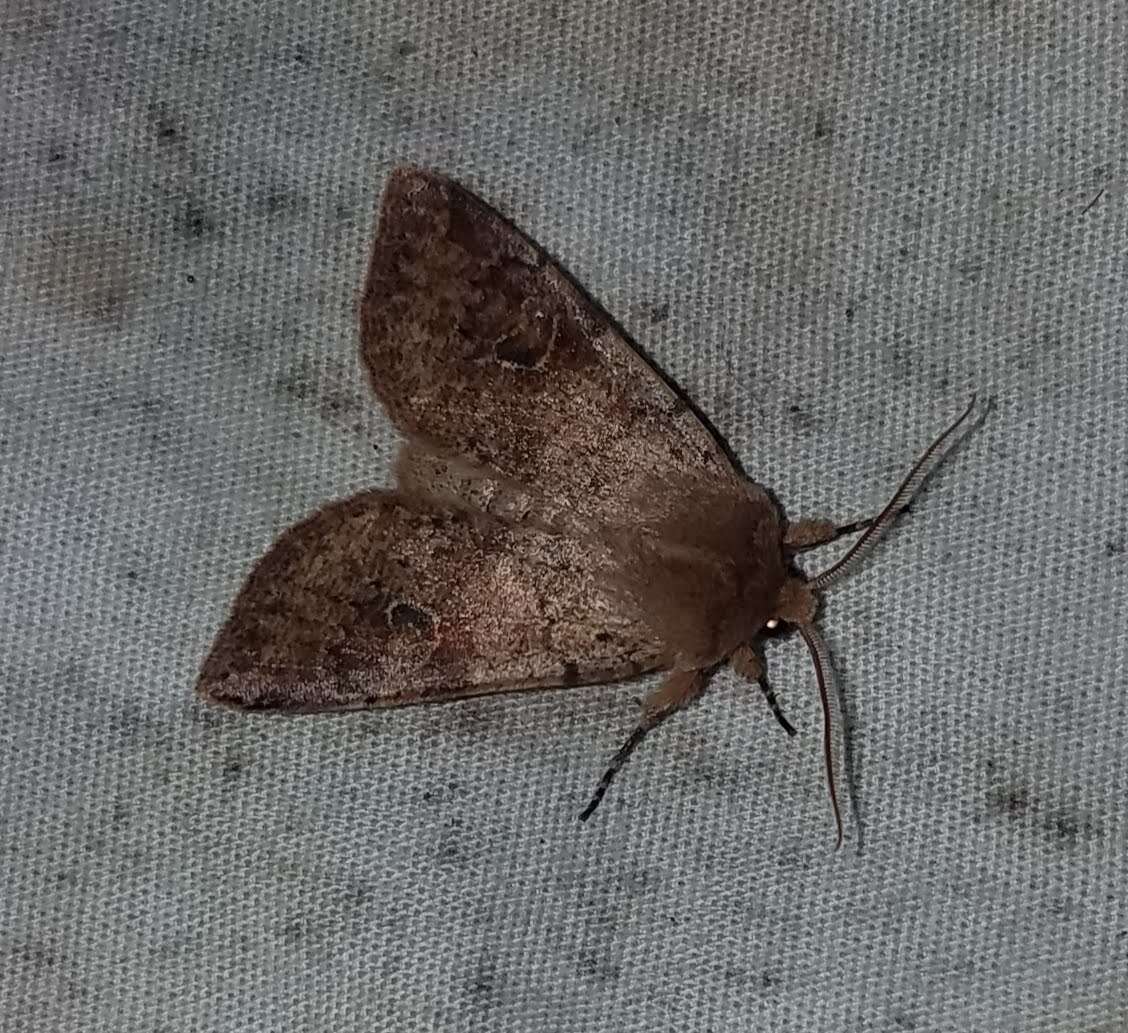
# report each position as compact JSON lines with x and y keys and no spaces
{"x":560,"y":517}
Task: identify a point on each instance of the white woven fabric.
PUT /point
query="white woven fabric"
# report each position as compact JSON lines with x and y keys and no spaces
{"x":829,"y":223}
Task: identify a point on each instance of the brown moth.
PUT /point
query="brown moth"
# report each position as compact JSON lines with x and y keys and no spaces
{"x":561,"y":516}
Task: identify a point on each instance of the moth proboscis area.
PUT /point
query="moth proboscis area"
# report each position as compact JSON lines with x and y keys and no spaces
{"x":560,"y":516}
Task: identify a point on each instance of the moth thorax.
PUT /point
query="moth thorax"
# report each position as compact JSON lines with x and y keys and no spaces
{"x":796,"y":602}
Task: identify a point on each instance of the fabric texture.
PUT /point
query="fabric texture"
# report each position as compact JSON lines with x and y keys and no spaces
{"x":829,"y":223}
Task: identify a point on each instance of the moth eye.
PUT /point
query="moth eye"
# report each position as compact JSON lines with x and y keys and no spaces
{"x":777,"y":628}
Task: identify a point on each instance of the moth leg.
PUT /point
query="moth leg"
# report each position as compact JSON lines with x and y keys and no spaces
{"x":747,"y":663}
{"x":810,"y":534}
{"x":679,"y":688}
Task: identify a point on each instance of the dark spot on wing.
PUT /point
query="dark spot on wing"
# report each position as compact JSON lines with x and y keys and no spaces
{"x":406,"y":616}
{"x":660,"y":313}
{"x":405,"y":48}
{"x":527,"y":345}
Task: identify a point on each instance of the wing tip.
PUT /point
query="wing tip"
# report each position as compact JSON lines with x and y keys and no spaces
{"x":219,"y":685}
{"x":242,"y":692}
{"x":234,"y":680}
{"x":404,"y":177}
{"x":233,"y":677}
{"x":210,"y":692}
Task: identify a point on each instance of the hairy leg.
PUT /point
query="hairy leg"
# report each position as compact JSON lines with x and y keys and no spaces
{"x":679,"y":688}
{"x":810,"y":534}
{"x":747,"y":663}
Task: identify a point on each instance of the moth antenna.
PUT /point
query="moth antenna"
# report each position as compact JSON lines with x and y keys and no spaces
{"x":832,"y":719}
{"x":901,"y":498}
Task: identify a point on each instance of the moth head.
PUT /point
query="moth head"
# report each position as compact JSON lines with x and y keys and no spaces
{"x":795,"y":604}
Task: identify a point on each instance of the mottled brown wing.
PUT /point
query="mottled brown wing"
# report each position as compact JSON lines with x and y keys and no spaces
{"x":382,"y":600}
{"x":480,"y":347}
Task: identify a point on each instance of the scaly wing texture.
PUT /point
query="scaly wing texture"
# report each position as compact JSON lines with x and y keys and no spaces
{"x":381,"y":600}
{"x":482,"y":349}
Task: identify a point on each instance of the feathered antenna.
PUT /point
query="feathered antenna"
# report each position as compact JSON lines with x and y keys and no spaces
{"x":901,"y":498}
{"x":820,"y":655}
{"x":832,"y":719}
